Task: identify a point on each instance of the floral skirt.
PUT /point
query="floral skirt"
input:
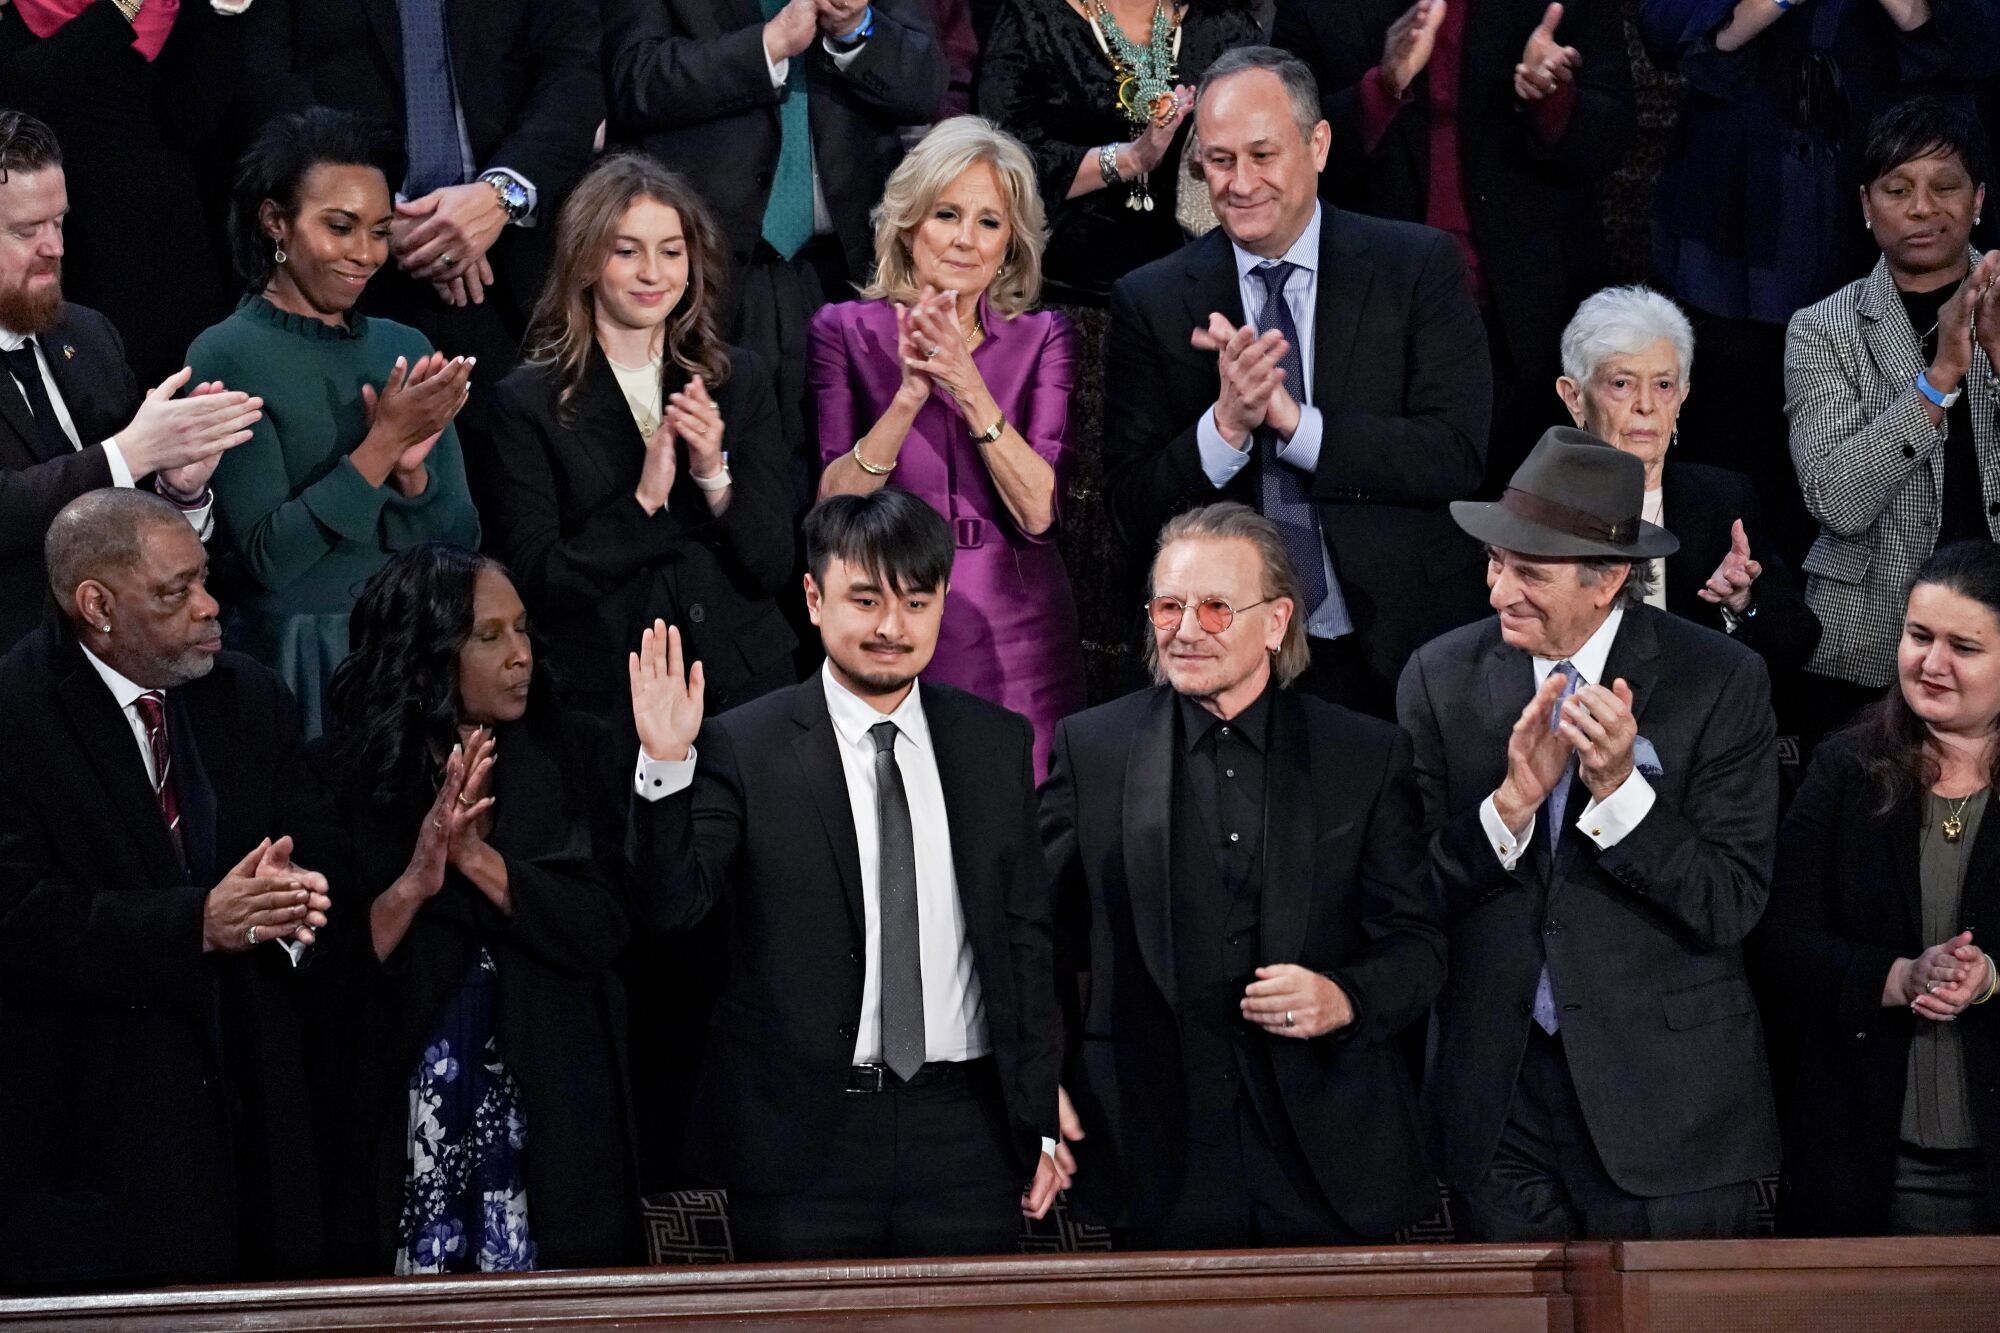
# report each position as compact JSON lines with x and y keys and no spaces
{"x":465,"y":1198}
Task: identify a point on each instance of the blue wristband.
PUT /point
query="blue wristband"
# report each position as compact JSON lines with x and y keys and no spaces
{"x":1785,"y":4}
{"x":867,"y":30}
{"x":1930,"y":391}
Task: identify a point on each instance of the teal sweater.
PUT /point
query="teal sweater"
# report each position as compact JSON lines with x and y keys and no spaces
{"x":308,"y":527}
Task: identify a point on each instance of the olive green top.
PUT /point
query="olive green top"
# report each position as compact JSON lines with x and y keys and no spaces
{"x":306,"y":527}
{"x":1936,"y":1110}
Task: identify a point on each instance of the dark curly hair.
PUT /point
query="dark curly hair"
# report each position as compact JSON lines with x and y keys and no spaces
{"x":276,"y":165}
{"x":394,"y":700}
{"x":1895,"y":746}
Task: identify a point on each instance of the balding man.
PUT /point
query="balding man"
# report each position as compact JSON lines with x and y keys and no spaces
{"x":156,"y":918}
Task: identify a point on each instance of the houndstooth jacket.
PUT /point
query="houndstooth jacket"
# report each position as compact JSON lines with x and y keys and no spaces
{"x":1871,"y":465}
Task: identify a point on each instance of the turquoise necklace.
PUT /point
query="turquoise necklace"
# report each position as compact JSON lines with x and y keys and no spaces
{"x":1145,"y":74}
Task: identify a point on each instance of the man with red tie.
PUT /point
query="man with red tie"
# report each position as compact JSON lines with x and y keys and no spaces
{"x":156,"y":825}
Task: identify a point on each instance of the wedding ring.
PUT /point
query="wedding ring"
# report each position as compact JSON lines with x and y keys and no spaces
{"x":930,"y":353}
{"x":1288,"y":1019}
{"x":462,"y":800}
{"x":251,"y":935}
{"x":447,"y":261}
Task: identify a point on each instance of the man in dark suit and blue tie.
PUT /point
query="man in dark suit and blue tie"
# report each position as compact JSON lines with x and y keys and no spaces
{"x":881,"y":1070}
{"x":1326,"y":368}
{"x":1600,"y":787}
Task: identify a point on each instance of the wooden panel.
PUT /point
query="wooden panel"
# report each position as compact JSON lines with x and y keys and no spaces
{"x":1506,"y":1289}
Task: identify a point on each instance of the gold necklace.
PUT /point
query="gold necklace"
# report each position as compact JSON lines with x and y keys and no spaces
{"x":1953,"y":826}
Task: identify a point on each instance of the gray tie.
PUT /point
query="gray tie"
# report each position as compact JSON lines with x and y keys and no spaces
{"x":1552,"y":812}
{"x":1282,"y":493}
{"x":902,"y":953}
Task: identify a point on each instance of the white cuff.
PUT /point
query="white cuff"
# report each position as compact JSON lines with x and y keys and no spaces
{"x":294,"y":950}
{"x":778,"y":69}
{"x":1302,"y":450}
{"x":842,"y":59}
{"x":1220,"y":460}
{"x":1049,"y":1149}
{"x":657,"y":779}
{"x":1506,"y":846}
{"x":1607,"y":822}
{"x":121,"y":473}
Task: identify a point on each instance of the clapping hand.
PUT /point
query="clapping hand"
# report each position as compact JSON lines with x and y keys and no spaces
{"x":251,"y":906}
{"x":696,"y":419}
{"x":1538,"y":756}
{"x":939,"y":346}
{"x":791,"y":29}
{"x":409,"y":413}
{"x":170,"y":432}
{"x":666,"y":699}
{"x":1546,"y":64}
{"x":1730,"y":584}
{"x":1252,"y":375}
{"x":838,"y":18}
{"x":186,"y":483}
{"x":1985,"y":282}
{"x":1947,"y":977}
{"x":656,"y":474}
{"x":1150,"y":148}
{"x":276,"y":863}
{"x":1407,"y":46}
{"x":1600,"y":725}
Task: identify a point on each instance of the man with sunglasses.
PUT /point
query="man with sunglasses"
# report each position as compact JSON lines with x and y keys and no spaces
{"x":1237,"y":867}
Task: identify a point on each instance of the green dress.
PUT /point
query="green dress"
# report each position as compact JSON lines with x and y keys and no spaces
{"x":305,"y":525}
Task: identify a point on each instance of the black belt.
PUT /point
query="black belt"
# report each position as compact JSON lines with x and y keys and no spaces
{"x":881,"y":1078}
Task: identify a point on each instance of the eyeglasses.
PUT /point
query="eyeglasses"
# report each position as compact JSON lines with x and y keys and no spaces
{"x":1211,"y":613}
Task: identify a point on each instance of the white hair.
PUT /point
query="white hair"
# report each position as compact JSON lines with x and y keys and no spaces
{"x":1624,"y":321}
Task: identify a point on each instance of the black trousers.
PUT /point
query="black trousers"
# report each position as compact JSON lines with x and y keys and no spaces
{"x":1940,"y":1192}
{"x":1249,"y":1188}
{"x":924,"y":1168}
{"x":1546,"y":1181}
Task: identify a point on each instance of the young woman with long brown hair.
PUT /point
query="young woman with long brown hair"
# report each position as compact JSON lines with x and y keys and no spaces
{"x":640,"y":469}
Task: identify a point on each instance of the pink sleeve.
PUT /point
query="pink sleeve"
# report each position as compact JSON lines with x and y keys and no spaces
{"x":1048,"y":427}
{"x":1550,"y":116}
{"x":831,"y":386}
{"x":1379,"y":108}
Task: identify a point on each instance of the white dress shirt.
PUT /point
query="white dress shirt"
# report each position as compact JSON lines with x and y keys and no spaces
{"x":1220,"y":460}
{"x":1653,"y":509}
{"x":201,"y":518}
{"x":780,"y":71}
{"x":127,"y":694}
{"x":1604,"y":822}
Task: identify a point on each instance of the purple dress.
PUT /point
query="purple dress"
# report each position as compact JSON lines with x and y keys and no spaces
{"x":1009,"y":633}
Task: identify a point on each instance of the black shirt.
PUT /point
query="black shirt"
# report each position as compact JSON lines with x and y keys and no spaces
{"x":1962,"y":506}
{"x":1225,"y":762}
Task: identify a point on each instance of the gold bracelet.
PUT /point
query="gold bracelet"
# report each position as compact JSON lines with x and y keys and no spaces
{"x":992,"y":432}
{"x":869,"y":467}
{"x":129,"y":8}
{"x":1992,"y":978}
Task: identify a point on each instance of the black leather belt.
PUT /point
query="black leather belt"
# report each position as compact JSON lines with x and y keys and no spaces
{"x":881,"y":1078}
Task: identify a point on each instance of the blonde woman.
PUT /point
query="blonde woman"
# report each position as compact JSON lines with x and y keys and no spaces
{"x":641,"y":471}
{"x":946,"y":381}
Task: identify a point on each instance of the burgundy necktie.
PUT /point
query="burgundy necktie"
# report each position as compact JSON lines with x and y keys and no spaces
{"x":152,"y":706}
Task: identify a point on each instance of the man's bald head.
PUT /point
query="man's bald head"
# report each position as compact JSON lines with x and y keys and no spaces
{"x":98,"y":533}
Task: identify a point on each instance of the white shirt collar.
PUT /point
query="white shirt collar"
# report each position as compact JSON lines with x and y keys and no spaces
{"x":10,"y":340}
{"x":123,"y":690}
{"x":1588,"y":660}
{"x":1304,"y":253}
{"x":853,"y":716}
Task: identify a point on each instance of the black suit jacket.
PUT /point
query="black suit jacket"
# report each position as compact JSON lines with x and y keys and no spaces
{"x":689,"y":84}
{"x":87,"y":362}
{"x":767,"y":826}
{"x":154,"y":1120}
{"x":1643,"y":940}
{"x":1344,"y":893}
{"x":1534,"y":217}
{"x":525,"y":72}
{"x":1846,"y":903}
{"x":1401,"y":376}
{"x":594,"y":569}
{"x":559,"y":1014}
{"x":1699,"y":503}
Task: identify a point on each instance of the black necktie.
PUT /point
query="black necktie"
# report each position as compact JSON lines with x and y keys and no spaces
{"x":48,"y":440}
{"x":902,"y":954}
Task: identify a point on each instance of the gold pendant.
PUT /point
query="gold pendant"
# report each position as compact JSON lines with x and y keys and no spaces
{"x":1953,"y":828}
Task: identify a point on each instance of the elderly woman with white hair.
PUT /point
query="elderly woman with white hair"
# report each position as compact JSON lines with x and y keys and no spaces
{"x":946,"y":381}
{"x":1626,"y":357}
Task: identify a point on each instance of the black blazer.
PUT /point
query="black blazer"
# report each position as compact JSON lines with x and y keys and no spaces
{"x":1344,"y":894}
{"x":1643,"y":940}
{"x":1699,"y":503}
{"x":689,"y":84}
{"x":87,"y":362}
{"x":1401,"y":375}
{"x":154,"y":1118}
{"x":525,"y":72}
{"x":767,"y":826}
{"x":1846,"y":903}
{"x":1532,"y":205}
{"x":560,"y":1014}
{"x":594,"y":569}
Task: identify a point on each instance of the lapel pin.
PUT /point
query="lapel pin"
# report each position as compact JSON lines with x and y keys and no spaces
{"x":69,"y":353}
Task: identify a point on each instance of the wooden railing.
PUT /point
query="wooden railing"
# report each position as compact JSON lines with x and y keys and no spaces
{"x":1890,"y":1286}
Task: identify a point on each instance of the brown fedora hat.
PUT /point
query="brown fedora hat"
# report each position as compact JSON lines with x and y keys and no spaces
{"x":1574,"y":496}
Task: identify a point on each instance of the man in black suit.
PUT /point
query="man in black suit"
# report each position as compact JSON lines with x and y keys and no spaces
{"x":1494,"y":120}
{"x":1353,"y":459}
{"x":787,"y":119}
{"x":1600,"y":784}
{"x":1241,"y":872}
{"x":153,"y":1115}
{"x":72,"y":418}
{"x":497,"y":104}
{"x":883,"y":1061}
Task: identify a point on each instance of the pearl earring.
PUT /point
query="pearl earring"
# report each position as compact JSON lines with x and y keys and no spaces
{"x":107,"y":629}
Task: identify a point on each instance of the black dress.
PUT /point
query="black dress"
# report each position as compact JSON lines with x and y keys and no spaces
{"x":542,"y":981}
{"x":1044,"y":80}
